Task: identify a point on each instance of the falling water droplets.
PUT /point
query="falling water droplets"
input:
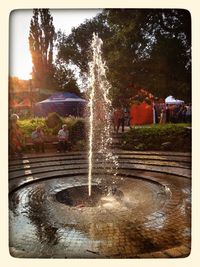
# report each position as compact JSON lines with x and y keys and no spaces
{"x":100,"y":108}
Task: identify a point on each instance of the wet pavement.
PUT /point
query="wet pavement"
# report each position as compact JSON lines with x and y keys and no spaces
{"x":51,"y":215}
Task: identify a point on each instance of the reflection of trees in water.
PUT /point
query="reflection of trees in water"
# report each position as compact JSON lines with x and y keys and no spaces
{"x":160,"y":233}
{"x":14,"y":200}
{"x":110,"y":232}
{"x":116,"y":235}
{"x":38,"y":216}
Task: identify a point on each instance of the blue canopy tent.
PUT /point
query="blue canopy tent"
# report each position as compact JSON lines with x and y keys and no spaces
{"x":64,"y":103}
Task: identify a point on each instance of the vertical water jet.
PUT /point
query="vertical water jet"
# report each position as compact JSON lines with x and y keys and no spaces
{"x":100,"y":119}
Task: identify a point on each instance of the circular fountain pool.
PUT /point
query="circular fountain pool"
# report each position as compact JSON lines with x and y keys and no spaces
{"x":125,"y":193}
{"x":144,"y":209}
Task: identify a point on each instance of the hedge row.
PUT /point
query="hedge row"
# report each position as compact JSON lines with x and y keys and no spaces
{"x":171,"y":137}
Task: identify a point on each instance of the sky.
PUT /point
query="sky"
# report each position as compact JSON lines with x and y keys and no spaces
{"x":20,"y":63}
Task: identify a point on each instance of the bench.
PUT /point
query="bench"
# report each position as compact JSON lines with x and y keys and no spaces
{"x":49,"y":142}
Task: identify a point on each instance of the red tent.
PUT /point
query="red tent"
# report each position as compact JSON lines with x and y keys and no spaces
{"x":141,"y":114}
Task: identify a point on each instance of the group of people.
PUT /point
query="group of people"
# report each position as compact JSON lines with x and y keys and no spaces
{"x":120,"y":117}
{"x":17,"y":140}
{"x":173,"y":113}
{"x":39,"y":138}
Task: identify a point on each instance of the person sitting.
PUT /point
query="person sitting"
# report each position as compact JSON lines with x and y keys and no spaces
{"x":63,"y":138}
{"x":38,"y":139}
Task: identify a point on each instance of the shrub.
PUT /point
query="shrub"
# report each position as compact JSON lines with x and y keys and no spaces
{"x":27,"y":126}
{"x":54,"y":121}
{"x":79,"y":145}
{"x":175,"y":137}
{"x":76,"y":128}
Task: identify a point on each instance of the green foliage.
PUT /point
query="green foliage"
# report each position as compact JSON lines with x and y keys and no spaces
{"x":166,"y":71}
{"x":65,"y":78}
{"x":79,"y":145}
{"x":75,"y":48}
{"x":41,"y":43}
{"x":149,"y":48}
{"x":76,"y":127}
{"x":54,"y":121}
{"x":27,"y":126}
{"x":154,"y":51}
{"x":175,"y":137}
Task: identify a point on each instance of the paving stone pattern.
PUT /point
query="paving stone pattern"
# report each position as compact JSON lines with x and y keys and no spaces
{"x":152,"y":218}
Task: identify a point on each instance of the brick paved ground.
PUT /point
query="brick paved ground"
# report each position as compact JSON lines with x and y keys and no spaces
{"x":151,"y":220}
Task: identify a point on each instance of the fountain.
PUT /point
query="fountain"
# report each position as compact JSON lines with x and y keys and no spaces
{"x":135,"y":205}
{"x":100,"y":113}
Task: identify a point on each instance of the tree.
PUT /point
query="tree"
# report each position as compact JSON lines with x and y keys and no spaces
{"x":166,"y":73}
{"x":17,"y":85}
{"x":75,"y":48}
{"x":148,"y":48}
{"x":65,"y":78}
{"x":154,"y":46}
{"x":41,"y":43}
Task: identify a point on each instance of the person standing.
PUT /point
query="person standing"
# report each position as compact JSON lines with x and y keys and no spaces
{"x":126,"y":117}
{"x":114,"y":120}
{"x":120,"y":119}
{"x":15,"y":136}
{"x":167,"y":111}
{"x":188,"y":113}
{"x":163,"y":115}
{"x":63,"y":138}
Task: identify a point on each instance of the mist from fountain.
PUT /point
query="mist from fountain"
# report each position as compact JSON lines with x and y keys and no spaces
{"x":100,"y":119}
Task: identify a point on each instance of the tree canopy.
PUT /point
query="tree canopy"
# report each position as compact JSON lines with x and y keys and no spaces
{"x":41,"y":43}
{"x":65,"y":78}
{"x":149,"y":48}
{"x":47,"y":72}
